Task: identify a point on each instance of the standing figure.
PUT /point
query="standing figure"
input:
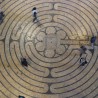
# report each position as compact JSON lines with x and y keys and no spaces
{"x":82,"y":50}
{"x":34,"y":13}
{"x":1,"y":16}
{"x":93,"y":39}
{"x":24,"y":62}
{"x":83,"y":61}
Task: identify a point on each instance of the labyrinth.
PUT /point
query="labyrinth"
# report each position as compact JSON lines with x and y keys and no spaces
{"x":51,"y":46}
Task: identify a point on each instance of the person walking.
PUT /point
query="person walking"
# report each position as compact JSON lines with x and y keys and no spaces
{"x":82,"y":50}
{"x":1,"y":16}
{"x":93,"y":39}
{"x":34,"y":13}
{"x":24,"y":62}
{"x":83,"y":61}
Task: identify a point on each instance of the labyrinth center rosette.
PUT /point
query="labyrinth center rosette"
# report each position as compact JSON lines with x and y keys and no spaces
{"x":51,"y":47}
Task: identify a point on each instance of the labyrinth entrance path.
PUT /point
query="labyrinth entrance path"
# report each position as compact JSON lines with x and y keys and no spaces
{"x":51,"y":47}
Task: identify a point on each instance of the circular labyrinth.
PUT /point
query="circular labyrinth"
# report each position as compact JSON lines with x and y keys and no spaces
{"x":51,"y":47}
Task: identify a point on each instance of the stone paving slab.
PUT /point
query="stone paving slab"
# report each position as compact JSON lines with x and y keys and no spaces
{"x":51,"y":46}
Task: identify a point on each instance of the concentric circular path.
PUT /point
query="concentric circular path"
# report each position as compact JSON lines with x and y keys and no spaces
{"x":51,"y":47}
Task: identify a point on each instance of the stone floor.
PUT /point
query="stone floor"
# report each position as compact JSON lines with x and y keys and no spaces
{"x":51,"y":47}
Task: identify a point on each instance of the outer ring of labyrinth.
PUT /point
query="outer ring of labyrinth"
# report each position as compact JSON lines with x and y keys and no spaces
{"x":51,"y":47}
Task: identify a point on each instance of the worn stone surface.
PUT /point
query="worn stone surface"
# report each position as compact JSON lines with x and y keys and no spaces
{"x":51,"y":47}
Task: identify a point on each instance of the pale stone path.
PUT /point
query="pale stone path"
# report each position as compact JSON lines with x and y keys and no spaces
{"x":51,"y":47}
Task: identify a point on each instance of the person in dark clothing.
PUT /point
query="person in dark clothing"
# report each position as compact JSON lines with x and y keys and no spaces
{"x":24,"y":62}
{"x":34,"y":13}
{"x":83,"y":61}
{"x":21,"y":96}
{"x":1,"y":17}
{"x":82,"y":50}
{"x":2,"y":14}
{"x":93,"y":39}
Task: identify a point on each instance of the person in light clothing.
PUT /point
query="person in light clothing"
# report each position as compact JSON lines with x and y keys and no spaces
{"x":82,"y":50}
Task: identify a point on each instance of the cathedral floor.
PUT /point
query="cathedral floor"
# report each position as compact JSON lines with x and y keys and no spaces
{"x":51,"y":46}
